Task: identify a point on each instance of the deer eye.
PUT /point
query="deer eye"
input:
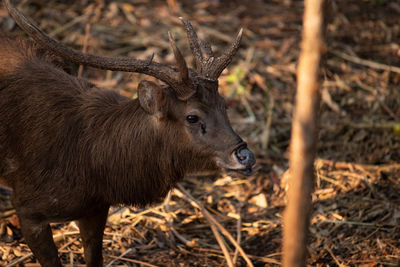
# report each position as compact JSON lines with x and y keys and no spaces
{"x":192,"y":118}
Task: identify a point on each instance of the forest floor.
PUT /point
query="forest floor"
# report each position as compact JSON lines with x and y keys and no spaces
{"x":356,"y":215}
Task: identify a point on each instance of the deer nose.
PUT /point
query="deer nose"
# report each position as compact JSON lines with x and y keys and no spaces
{"x":245,"y":157}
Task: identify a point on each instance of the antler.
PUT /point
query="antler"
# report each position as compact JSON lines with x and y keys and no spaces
{"x":182,"y":80}
{"x":207,"y":65}
{"x":159,"y":71}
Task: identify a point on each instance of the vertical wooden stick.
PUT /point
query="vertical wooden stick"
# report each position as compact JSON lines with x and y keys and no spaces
{"x":85,"y":46}
{"x":303,"y":140}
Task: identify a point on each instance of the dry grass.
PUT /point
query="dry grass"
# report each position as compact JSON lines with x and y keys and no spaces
{"x":356,"y":214}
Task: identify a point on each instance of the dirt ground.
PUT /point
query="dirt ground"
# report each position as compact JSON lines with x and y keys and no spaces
{"x":356,"y":217}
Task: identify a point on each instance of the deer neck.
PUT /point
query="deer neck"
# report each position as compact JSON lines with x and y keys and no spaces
{"x":136,"y":160}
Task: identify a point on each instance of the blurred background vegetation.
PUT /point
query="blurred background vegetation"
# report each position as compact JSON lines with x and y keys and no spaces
{"x":356,"y":201}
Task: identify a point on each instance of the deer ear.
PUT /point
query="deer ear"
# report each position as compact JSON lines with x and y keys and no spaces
{"x":151,"y":97}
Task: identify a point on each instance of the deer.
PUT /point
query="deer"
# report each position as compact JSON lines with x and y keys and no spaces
{"x":69,"y":149}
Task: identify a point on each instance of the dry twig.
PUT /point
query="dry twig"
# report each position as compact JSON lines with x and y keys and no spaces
{"x":365,"y":62}
{"x":303,"y":140}
{"x":212,"y":220}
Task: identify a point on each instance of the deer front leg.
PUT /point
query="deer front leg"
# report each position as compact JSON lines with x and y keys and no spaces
{"x":92,"y":229}
{"x":39,"y":238}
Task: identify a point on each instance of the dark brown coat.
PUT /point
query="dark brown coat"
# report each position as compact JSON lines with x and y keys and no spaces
{"x":69,"y":150}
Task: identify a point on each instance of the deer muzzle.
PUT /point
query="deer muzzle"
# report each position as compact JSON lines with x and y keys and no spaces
{"x":246,"y":158}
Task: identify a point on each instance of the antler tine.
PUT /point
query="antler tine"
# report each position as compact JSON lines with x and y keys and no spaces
{"x":180,"y":60}
{"x":223,"y":61}
{"x":186,"y":91}
{"x":159,"y":71}
{"x":209,"y":67}
{"x":194,"y":44}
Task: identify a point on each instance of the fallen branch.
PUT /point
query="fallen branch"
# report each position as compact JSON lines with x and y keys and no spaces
{"x":57,"y":238}
{"x":142,"y":263}
{"x":68,"y":25}
{"x":84,"y":47}
{"x":263,"y":259}
{"x":349,"y":124}
{"x":20,"y":260}
{"x":352,"y":165}
{"x":334,"y":257}
{"x":238,"y":235}
{"x":222,"y":245}
{"x":364,"y":62}
{"x":212,"y":220}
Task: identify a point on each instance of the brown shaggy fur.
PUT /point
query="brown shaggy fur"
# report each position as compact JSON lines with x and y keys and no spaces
{"x":70,"y":150}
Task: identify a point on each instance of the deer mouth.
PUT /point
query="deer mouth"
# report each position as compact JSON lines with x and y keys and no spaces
{"x":241,"y":160}
{"x":246,"y":171}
